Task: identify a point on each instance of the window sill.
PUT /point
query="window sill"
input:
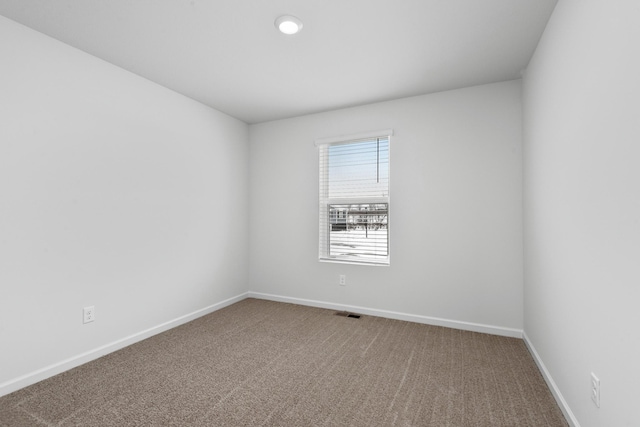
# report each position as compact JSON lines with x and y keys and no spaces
{"x":346,"y":261}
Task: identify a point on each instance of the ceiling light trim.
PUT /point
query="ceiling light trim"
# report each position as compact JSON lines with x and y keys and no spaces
{"x":288,"y":24}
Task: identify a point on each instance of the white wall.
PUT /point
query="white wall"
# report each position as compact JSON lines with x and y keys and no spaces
{"x":582,"y":206}
{"x":456,"y":213}
{"x":115,"y":192}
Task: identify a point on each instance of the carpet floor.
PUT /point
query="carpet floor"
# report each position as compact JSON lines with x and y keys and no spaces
{"x":264,"y":363}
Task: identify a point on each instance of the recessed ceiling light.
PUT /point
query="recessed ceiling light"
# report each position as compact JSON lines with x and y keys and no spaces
{"x":288,"y":24}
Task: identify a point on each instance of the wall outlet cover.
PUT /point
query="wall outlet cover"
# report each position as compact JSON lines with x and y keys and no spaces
{"x":88,"y":314}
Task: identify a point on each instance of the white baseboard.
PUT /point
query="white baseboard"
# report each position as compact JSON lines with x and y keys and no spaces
{"x":455,"y":324}
{"x":72,"y":362}
{"x":564,"y":407}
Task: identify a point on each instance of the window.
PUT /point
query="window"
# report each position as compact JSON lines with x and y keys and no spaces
{"x":354,"y":198}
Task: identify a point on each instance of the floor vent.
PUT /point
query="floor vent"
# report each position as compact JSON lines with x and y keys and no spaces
{"x":347,"y":314}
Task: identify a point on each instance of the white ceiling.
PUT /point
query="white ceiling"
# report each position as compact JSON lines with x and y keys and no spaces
{"x":228,"y":54}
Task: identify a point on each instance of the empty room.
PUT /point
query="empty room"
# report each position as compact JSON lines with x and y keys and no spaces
{"x":305,"y":213}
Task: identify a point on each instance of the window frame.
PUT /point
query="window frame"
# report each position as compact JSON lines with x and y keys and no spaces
{"x":324,"y":202}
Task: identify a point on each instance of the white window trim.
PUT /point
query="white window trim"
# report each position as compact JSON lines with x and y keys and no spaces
{"x":336,"y":140}
{"x":353,"y":137}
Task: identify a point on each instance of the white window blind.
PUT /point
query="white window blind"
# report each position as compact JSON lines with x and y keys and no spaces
{"x":354,"y":198}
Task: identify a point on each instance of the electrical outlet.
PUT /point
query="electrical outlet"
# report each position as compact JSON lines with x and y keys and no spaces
{"x":343,"y":280}
{"x":88,"y":314}
{"x":595,"y":389}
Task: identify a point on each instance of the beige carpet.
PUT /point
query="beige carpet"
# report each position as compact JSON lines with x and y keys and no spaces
{"x":262,"y":363}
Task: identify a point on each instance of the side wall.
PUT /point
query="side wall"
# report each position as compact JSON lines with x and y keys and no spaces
{"x":582,"y":206}
{"x":116,"y":193}
{"x":456,"y":209}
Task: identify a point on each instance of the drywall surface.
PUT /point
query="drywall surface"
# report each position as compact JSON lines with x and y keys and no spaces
{"x":116,"y":193}
{"x":455,"y":215}
{"x":582,"y":206}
